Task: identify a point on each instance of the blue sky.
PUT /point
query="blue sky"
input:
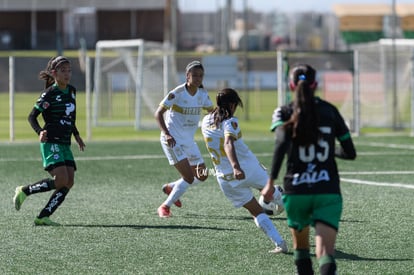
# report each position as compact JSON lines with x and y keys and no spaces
{"x":280,"y":5}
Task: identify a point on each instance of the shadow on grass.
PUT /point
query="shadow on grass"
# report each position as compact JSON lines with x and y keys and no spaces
{"x":135,"y":226}
{"x":351,"y":221}
{"x":235,"y":218}
{"x":354,"y":257}
{"x":339,"y":255}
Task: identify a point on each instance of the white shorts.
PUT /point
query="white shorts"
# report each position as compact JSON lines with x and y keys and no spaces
{"x":239,"y":192}
{"x":182,"y":151}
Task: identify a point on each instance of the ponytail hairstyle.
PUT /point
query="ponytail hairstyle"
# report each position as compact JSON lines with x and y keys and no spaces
{"x":224,"y":99}
{"x":304,"y":121}
{"x":52,"y":65}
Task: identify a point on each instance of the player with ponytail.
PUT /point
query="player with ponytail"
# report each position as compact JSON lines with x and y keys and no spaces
{"x":237,"y":169}
{"x":57,"y":104}
{"x":178,"y":115}
{"x":306,"y":132}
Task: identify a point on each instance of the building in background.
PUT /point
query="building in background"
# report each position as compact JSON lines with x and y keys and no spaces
{"x":359,"y":23}
{"x":406,"y":13}
{"x":51,"y":24}
{"x":63,"y":24}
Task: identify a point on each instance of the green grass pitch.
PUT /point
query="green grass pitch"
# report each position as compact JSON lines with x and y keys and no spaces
{"x":110,"y":225}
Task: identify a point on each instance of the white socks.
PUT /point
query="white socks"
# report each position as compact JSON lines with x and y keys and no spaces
{"x":263,"y":222}
{"x":179,"y":188}
{"x":194,"y":183}
{"x":172,"y":184}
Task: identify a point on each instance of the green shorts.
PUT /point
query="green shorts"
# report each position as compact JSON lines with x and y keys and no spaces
{"x":304,"y":210}
{"x":55,"y":155}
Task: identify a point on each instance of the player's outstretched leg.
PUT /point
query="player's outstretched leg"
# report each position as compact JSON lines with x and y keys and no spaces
{"x":22,"y":192}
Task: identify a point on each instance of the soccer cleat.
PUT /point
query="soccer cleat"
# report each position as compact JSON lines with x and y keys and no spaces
{"x":19,"y":197}
{"x":281,"y":248}
{"x":166,"y":188}
{"x":45,"y":221}
{"x":164,"y":211}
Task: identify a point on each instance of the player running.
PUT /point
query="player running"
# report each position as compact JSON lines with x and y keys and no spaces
{"x":237,"y":168}
{"x":306,"y":131}
{"x":57,"y":104}
{"x":182,"y":109}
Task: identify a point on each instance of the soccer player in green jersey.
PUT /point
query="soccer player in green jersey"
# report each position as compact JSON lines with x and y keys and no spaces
{"x":57,"y":104}
{"x":306,"y":132}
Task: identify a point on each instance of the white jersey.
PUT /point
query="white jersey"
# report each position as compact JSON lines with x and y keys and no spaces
{"x":183,"y":112}
{"x":214,"y":138}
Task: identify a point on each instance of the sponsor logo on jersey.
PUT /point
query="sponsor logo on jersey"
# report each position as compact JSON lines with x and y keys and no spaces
{"x":186,"y":110}
{"x":70,"y":107}
{"x":234,"y":125}
{"x":171,"y":96}
{"x":310,"y":176}
{"x":65,"y":122}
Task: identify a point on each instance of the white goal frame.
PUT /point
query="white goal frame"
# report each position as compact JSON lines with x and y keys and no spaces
{"x":134,"y":62}
{"x":352,"y":117}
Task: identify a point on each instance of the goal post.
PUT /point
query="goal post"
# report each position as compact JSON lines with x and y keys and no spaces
{"x":385,"y":72}
{"x":372,"y":84}
{"x":131,"y":78}
{"x":337,"y":78}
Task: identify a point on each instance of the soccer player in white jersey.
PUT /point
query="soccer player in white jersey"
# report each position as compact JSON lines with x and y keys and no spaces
{"x":178,"y":116}
{"x":237,"y":168}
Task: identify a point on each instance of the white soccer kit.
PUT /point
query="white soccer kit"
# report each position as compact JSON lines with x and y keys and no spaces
{"x":182,"y":118}
{"x":237,"y":191}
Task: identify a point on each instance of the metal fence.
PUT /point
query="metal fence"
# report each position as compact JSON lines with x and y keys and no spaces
{"x":372,"y":85}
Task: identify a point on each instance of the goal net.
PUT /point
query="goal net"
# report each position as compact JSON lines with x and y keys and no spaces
{"x":131,"y":78}
{"x":372,"y":85}
{"x":386,"y":79}
{"x":335,"y":76}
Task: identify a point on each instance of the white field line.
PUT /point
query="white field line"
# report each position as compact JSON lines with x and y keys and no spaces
{"x":159,"y":156}
{"x":381,"y":145}
{"x":96,"y":158}
{"x":365,"y":182}
{"x":378,"y":173}
{"x":142,"y":157}
{"x":388,"y":145}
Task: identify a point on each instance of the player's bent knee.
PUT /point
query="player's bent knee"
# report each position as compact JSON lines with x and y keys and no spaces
{"x":200,"y":172}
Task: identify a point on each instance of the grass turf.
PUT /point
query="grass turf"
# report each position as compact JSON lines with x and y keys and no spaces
{"x":110,"y":225}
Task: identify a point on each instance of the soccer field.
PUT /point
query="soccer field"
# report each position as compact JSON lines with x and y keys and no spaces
{"x":110,"y":224}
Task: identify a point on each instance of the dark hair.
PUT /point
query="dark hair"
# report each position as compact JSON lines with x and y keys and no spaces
{"x":53,"y":64}
{"x":304,"y":121}
{"x":224,"y":98}
{"x":194,"y":64}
